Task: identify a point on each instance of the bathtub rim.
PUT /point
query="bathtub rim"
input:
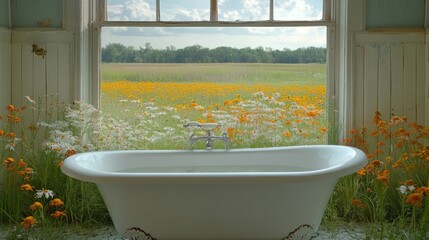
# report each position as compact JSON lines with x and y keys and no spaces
{"x":74,"y":169}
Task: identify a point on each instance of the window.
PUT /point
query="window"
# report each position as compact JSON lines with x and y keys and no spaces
{"x":166,"y":27}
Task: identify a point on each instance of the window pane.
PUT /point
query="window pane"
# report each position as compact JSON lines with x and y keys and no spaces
{"x":243,"y":10}
{"x":131,"y":10}
{"x":298,"y":10}
{"x":185,"y":10}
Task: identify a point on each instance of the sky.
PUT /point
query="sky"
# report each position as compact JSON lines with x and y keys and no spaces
{"x":212,"y":37}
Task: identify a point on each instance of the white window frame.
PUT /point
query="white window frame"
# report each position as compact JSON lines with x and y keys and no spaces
{"x":338,"y":87}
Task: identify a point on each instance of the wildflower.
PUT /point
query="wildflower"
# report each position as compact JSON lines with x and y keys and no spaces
{"x":36,"y":205}
{"x":56,"y":202}
{"x":376,"y":163}
{"x":26,"y":187}
{"x":287,"y":134}
{"x":383,"y":176}
{"x":9,"y":161}
{"x":358,"y":203}
{"x":44,"y":193}
{"x":1,"y":132}
{"x":70,"y":152}
{"x":423,"y":190}
{"x":21,"y":163}
{"x":10,"y":108}
{"x":403,"y":189}
{"x":415,"y":199}
{"x":30,"y":99}
{"x":28,"y":222}
{"x":361,"y":172}
{"x":57,"y":214}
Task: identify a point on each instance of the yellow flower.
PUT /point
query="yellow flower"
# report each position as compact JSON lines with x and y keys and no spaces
{"x":56,"y":202}
{"x":28,"y":222}
{"x":36,"y":205}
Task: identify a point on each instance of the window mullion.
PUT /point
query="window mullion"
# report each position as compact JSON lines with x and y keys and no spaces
{"x":158,"y":11}
{"x":271,"y":10}
{"x":213,"y":11}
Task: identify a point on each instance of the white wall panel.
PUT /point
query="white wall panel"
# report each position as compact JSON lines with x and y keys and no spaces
{"x":5,"y":70}
{"x":40,"y":77}
{"x":389,"y":77}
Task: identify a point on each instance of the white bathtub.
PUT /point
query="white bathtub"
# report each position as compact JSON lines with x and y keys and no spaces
{"x":269,"y":193}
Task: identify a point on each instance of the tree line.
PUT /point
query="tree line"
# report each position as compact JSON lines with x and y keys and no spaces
{"x":118,"y":53}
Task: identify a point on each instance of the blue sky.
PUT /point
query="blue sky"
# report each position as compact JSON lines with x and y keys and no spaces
{"x":228,"y":10}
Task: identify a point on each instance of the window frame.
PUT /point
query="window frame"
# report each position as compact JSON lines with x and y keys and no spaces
{"x":335,"y":93}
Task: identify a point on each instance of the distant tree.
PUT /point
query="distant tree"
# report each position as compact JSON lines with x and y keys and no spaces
{"x":116,"y":52}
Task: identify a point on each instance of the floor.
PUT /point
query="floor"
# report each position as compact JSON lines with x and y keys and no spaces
{"x":109,"y":233}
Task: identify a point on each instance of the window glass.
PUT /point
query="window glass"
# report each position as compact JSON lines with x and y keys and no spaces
{"x":185,"y":10}
{"x":243,"y":10}
{"x":294,"y":10}
{"x":131,"y":10}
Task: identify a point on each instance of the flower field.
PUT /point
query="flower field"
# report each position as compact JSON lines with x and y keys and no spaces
{"x":252,"y":114}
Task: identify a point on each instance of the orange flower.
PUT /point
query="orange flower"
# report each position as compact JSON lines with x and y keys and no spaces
{"x":409,"y":182}
{"x":28,"y":222}
{"x":70,"y":152}
{"x":10,"y":108}
{"x":383,"y":177}
{"x":57,"y":214}
{"x":358,"y":203}
{"x":376,"y":163}
{"x":423,"y":190}
{"x":56,"y":202}
{"x":1,"y":132}
{"x":21,"y":163}
{"x":287,"y":134}
{"x":415,"y":199}
{"x":361,"y":172}
{"x":9,"y":161}
{"x":231,"y":133}
{"x":26,"y":187}
{"x":36,"y":205}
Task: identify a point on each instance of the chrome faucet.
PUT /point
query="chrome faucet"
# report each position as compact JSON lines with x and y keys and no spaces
{"x":209,"y":137}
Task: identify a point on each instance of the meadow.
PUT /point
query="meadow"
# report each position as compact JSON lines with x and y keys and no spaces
{"x":256,"y":104}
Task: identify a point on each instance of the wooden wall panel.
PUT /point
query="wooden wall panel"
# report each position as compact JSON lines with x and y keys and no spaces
{"x":41,"y":77}
{"x":389,"y":77}
{"x":5,"y":71}
{"x":396,"y":96}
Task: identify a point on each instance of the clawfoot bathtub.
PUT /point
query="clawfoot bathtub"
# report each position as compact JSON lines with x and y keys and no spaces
{"x":268,"y":193}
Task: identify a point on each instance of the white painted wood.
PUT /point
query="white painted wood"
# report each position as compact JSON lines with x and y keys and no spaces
{"x":5,"y":70}
{"x":64,"y":80}
{"x":397,"y":75}
{"x":420,"y":83}
{"x":16,"y":73}
{"x":384,"y":77}
{"x":52,"y":78}
{"x":370,"y":82}
{"x":409,"y":82}
{"x":37,"y":36}
{"x":391,"y":37}
{"x":355,"y":15}
{"x":359,"y":100}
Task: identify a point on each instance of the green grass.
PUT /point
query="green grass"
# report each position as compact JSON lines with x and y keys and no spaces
{"x":251,"y":73}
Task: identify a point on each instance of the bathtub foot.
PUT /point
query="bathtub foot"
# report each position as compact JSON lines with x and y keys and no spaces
{"x":304,"y":231}
{"x":136,"y":233}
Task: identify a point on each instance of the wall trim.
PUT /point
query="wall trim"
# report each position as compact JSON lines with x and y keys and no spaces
{"x":42,"y":36}
{"x":391,"y":37}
